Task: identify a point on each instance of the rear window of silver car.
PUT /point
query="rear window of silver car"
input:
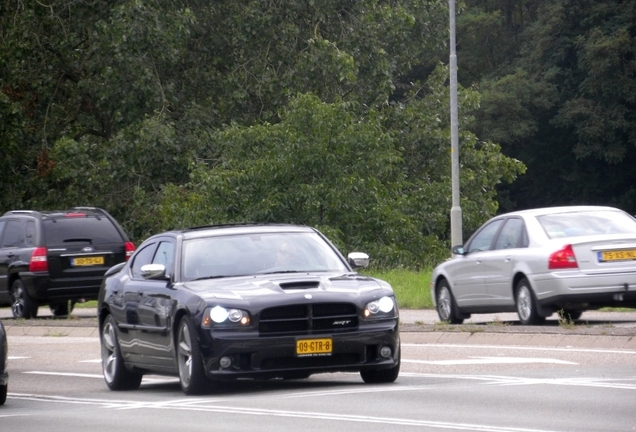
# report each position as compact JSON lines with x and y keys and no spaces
{"x":585,"y":223}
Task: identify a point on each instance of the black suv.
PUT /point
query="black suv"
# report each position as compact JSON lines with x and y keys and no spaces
{"x":57,"y":257}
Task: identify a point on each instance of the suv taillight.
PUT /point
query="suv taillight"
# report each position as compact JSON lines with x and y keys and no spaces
{"x":130,"y":249}
{"x":38,"y":261}
{"x":563,"y":259}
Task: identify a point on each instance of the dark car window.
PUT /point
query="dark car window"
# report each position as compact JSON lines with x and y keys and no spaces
{"x":511,"y":235}
{"x":13,"y":234}
{"x":30,"y":233}
{"x":93,"y":229}
{"x":2,"y":224}
{"x":484,"y":238}
{"x":141,"y":258}
{"x":248,"y":254}
{"x":165,"y":255}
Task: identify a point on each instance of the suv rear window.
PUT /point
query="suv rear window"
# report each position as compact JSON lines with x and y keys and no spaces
{"x":78,"y":229}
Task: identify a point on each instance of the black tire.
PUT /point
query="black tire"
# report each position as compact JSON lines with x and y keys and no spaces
{"x":3,"y":394}
{"x":23,"y":305}
{"x":446,"y":306}
{"x":189,"y":360}
{"x":62,"y":309}
{"x":381,"y":376}
{"x":526,"y":304}
{"x":116,"y":375}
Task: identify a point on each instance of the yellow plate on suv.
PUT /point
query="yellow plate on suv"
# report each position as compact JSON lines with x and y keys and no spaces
{"x":620,"y":255}
{"x":308,"y":347}
{"x":88,"y":261}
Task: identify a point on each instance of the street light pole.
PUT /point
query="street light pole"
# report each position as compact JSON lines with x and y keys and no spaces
{"x":456,"y":210}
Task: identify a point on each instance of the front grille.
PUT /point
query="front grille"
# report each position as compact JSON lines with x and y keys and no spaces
{"x":309,"y":362}
{"x":308,"y":319}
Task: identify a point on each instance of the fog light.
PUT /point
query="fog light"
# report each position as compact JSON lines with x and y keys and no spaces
{"x":385,"y":352}
{"x":225,"y":362}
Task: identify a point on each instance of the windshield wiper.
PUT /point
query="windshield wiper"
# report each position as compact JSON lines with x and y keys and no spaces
{"x":285,"y":271}
{"x":213,"y":277}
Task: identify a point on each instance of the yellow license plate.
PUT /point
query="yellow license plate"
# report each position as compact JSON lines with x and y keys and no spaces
{"x":311,"y":347}
{"x":88,"y":261}
{"x":621,"y":255}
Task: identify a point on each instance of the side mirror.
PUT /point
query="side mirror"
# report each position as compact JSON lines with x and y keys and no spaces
{"x":358,"y":259}
{"x":459,"y":250}
{"x":153,"y":271}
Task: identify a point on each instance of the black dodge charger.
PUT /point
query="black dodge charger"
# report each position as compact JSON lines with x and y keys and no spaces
{"x":245,"y":301}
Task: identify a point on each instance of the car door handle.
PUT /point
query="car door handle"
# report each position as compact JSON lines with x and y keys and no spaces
{"x":508,"y":258}
{"x":140,"y":293}
{"x":478,"y":261}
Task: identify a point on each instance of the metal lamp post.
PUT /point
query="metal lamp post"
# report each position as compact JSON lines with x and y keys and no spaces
{"x":456,"y":210}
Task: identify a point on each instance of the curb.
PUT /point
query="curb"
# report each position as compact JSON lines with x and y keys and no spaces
{"x":52,"y":331}
{"x":562,"y":341}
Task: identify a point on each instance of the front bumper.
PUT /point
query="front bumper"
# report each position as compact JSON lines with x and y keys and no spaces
{"x":275,"y":356}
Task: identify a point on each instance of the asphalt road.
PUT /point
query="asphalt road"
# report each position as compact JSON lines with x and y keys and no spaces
{"x":56,"y":385}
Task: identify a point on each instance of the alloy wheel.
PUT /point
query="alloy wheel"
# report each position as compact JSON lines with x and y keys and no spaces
{"x":524,"y":303}
{"x":18,"y":303}
{"x":185,"y":354}
{"x":444,"y":303}
{"x":109,"y":354}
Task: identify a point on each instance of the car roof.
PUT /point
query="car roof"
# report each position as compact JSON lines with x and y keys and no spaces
{"x":561,"y":209}
{"x":88,"y":211}
{"x":243,"y":228}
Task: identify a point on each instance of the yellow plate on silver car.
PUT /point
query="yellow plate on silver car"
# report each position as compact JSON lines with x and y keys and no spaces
{"x":88,"y":261}
{"x":619,"y":255}
{"x":314,"y":347}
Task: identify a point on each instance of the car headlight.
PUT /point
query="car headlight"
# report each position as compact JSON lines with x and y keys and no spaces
{"x":226,"y":316}
{"x":380,"y":308}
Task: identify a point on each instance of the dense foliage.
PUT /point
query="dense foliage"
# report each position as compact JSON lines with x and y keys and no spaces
{"x":559,"y":93}
{"x":328,"y":113}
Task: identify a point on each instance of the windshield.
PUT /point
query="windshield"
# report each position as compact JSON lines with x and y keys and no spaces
{"x":240,"y":255}
{"x":576,"y":224}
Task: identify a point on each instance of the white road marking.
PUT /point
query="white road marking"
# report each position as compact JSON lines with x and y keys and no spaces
{"x":514,"y":347}
{"x":199,"y":405}
{"x":146,"y":379}
{"x":69,"y":374}
{"x":17,"y":358}
{"x":623,"y":383}
{"x":489,"y":360}
{"x":91,"y":361}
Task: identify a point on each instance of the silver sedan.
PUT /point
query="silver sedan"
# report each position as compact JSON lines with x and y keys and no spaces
{"x":538,"y":262}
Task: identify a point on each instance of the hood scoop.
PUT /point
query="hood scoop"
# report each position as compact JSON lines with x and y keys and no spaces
{"x":299,"y":285}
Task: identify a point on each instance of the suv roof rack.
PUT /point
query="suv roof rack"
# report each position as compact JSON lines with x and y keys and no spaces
{"x":22,"y":212}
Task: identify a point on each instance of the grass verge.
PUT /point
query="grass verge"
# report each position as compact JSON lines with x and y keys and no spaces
{"x":411,"y":288}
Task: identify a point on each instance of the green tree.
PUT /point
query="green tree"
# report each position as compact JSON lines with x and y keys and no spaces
{"x":567,"y":107}
{"x":356,"y":177}
{"x":183,"y":112}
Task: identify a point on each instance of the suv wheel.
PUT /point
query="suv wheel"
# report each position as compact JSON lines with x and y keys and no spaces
{"x":23,"y":305}
{"x":62,"y":309}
